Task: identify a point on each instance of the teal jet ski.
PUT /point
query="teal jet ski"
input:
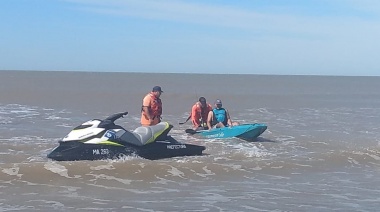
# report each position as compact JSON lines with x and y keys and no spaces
{"x":247,"y":132}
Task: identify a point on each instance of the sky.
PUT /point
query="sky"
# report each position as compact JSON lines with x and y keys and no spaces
{"x":274,"y":37}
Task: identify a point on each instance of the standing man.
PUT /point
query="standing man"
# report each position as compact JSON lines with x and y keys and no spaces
{"x":199,"y":113}
{"x":151,"y":110}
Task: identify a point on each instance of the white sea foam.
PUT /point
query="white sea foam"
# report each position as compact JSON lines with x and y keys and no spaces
{"x":176,"y":172}
{"x":101,"y":167}
{"x":58,"y":169}
{"x":12,"y":171}
{"x":108,"y":177}
{"x":54,"y":117}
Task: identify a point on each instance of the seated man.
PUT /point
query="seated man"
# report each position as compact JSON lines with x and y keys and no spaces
{"x":199,"y":113}
{"x":219,"y":117}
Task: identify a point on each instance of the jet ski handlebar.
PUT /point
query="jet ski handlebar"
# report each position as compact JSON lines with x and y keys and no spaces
{"x":116,"y":116}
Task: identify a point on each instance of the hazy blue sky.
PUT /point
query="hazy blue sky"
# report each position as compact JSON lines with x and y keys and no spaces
{"x":308,"y":37}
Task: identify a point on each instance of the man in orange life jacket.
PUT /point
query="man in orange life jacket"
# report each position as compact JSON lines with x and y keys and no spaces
{"x":152,"y":107}
{"x":199,"y":113}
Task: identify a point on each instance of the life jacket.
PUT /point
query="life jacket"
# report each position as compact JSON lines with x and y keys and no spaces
{"x":155,"y":108}
{"x":220,"y":115}
{"x":199,"y":114}
{"x":203,"y":112}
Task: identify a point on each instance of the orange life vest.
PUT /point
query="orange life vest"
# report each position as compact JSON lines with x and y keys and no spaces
{"x":203,"y":112}
{"x":155,"y":108}
{"x":199,"y":114}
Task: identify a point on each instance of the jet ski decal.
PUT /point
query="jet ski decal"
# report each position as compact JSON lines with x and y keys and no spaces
{"x":100,"y":151}
{"x":110,"y":134}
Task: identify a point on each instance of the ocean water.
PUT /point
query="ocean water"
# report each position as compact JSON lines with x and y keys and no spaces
{"x":321,"y":151}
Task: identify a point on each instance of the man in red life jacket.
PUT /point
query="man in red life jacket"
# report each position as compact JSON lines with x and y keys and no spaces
{"x":152,"y":107}
{"x":199,"y":113}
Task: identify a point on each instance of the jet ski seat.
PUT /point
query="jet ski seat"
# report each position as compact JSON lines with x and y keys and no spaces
{"x":144,"y":133}
{"x":130,"y":138}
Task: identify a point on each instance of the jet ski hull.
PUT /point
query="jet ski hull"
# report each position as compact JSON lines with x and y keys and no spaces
{"x":103,"y":139}
{"x":75,"y":150}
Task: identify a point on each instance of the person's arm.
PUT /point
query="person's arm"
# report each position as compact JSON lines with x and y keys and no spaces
{"x":146,"y":111}
{"x":145,"y":108}
{"x":194,"y":116}
{"x":229,"y":122}
{"x":209,"y":119}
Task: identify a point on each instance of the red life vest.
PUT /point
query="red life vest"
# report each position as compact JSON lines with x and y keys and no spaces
{"x":155,"y":108}
{"x":199,"y":114}
{"x":203,"y":111}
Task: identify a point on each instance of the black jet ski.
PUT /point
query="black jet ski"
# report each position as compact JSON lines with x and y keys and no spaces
{"x":103,"y":139}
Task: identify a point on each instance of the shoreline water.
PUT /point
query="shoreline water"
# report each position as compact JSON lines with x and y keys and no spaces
{"x":321,"y":151}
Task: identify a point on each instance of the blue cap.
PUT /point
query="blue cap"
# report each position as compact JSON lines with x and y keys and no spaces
{"x":157,"y":88}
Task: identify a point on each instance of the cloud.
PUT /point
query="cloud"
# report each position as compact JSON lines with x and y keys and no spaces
{"x":175,"y":11}
{"x":367,"y":6}
{"x":230,"y":16}
{"x":311,"y":35}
